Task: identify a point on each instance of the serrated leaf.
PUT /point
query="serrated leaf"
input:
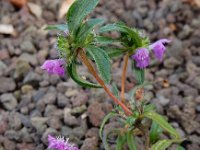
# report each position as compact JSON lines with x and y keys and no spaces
{"x":103,"y":40}
{"x":61,"y":27}
{"x":120,"y":142}
{"x":86,"y":28}
{"x":74,"y":75}
{"x":112,"y":27}
{"x":102,"y":61}
{"x":161,"y":145}
{"x":106,"y":118}
{"x":131,"y":141}
{"x":162,"y":123}
{"x":114,"y":52}
{"x":139,"y":73}
{"x":155,"y":132}
{"x":77,"y":12}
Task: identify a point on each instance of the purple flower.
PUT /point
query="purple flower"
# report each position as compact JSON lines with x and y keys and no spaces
{"x":54,"y":66}
{"x":60,"y":143}
{"x":142,"y":58}
{"x":159,"y":48}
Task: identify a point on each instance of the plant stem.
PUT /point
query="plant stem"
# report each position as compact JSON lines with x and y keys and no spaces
{"x":124,"y":77}
{"x":91,"y":69}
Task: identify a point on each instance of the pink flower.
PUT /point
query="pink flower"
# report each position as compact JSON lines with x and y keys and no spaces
{"x":142,"y":58}
{"x":159,"y":48}
{"x":60,"y":144}
{"x":54,"y":66}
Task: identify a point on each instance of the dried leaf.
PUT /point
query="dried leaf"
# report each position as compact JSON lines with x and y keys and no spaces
{"x":64,"y":8}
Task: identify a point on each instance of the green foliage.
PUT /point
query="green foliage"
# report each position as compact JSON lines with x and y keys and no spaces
{"x":155,"y":132}
{"x":139,"y":73}
{"x":61,"y":27}
{"x":121,"y":140}
{"x":106,"y":118}
{"x":63,"y":46}
{"x":83,"y":35}
{"x":104,"y":40}
{"x":74,"y":75}
{"x":77,"y":12}
{"x":102,"y":62}
{"x":114,"y":52}
{"x":180,"y":148}
{"x":131,"y":141}
{"x":164,"y":144}
{"x":162,"y":123}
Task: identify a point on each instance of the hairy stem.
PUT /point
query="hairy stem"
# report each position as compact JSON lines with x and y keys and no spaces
{"x":91,"y":69}
{"x":124,"y":77}
{"x":147,"y":140}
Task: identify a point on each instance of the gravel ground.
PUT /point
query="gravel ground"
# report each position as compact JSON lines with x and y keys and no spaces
{"x":34,"y":104}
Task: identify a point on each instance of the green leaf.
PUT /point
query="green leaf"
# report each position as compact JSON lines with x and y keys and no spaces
{"x":86,"y":28}
{"x":115,"y":90}
{"x":62,"y":27}
{"x":120,"y":142}
{"x":102,"y":62}
{"x":162,"y":123}
{"x":155,"y":132}
{"x":106,"y":118}
{"x":161,"y":145}
{"x":104,"y":40}
{"x":77,"y":12}
{"x":131,"y":141}
{"x":112,"y":27}
{"x":149,"y":107}
{"x":180,"y":148}
{"x":139,"y":73}
{"x":74,"y":75}
{"x":114,"y":52}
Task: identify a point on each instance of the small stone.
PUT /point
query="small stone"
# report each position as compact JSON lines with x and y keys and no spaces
{"x":7,"y":84}
{"x":54,"y":123}
{"x":8,"y":101}
{"x":35,"y":9}
{"x":63,"y":101}
{"x":31,"y":58}
{"x":38,"y":95}
{"x":2,"y":68}
{"x":49,"y":98}
{"x":18,"y":3}
{"x":4,"y":54}
{"x":22,"y":68}
{"x":90,"y":143}
{"x":13,"y":135}
{"x":175,"y":49}
{"x":79,"y":100}
{"x":9,"y":145}
{"x":78,"y":110}
{"x":69,"y":119}
{"x":93,"y":132}
{"x":38,"y":122}
{"x":25,"y":146}
{"x":52,"y":110}
{"x":26,"y":89}
{"x":24,"y":110}
{"x":32,"y":78}
{"x":163,"y":100}
{"x":171,"y":63}
{"x":15,"y":121}
{"x":27,"y":46}
{"x":95,"y":114}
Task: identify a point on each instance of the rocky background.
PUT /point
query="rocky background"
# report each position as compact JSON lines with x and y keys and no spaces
{"x":34,"y":104}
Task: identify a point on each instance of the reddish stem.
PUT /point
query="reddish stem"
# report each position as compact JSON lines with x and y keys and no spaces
{"x":124,"y":77}
{"x":91,"y":69}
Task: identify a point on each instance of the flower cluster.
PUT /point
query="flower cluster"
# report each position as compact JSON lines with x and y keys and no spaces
{"x":54,"y":66}
{"x":142,"y":54}
{"x":60,"y":143}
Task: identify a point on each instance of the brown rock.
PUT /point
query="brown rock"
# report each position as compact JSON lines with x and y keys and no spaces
{"x":95,"y":113}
